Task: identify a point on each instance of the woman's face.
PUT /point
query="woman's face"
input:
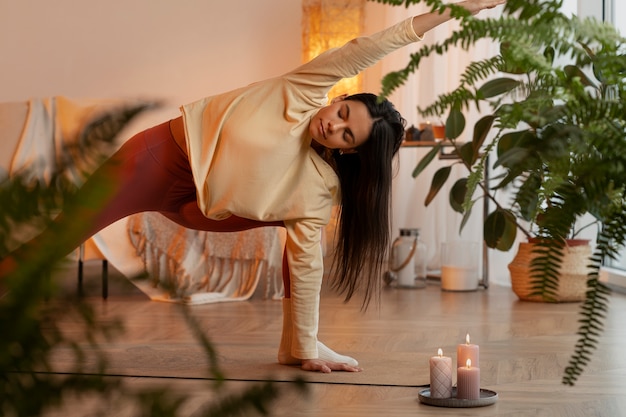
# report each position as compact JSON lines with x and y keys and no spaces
{"x":344,"y":124}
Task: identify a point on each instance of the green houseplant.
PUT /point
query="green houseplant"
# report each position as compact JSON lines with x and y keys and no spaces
{"x":554,"y":126}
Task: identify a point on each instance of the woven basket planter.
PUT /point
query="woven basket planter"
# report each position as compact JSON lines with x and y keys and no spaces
{"x":573,"y":273}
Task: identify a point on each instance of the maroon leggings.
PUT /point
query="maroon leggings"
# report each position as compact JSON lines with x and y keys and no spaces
{"x":151,"y":173}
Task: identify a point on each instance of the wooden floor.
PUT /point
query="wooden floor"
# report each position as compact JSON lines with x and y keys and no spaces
{"x":523,"y":350}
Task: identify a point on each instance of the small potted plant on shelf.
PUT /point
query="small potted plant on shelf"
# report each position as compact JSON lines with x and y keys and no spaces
{"x":553,"y":129}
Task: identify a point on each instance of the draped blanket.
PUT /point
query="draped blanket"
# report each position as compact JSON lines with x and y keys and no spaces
{"x":199,"y":267}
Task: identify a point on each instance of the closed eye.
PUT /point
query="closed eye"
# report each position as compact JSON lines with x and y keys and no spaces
{"x":348,"y":136}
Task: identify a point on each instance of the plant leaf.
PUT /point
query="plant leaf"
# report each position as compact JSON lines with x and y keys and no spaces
{"x":573,"y":71}
{"x":549,"y":54}
{"x":481,"y":130}
{"x":512,"y":157}
{"x":457,"y":195}
{"x":499,"y":229}
{"x":455,"y":123}
{"x":466,"y":153}
{"x":498,"y":86}
{"x":439,"y":179}
{"x":426,"y":160}
{"x":507,"y":239}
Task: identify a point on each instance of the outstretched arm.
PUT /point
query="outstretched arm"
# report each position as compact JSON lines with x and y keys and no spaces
{"x":427,"y":21}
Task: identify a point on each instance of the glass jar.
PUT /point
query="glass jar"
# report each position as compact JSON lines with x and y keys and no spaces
{"x":409,"y":259}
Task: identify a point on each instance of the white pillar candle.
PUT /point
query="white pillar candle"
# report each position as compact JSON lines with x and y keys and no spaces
{"x":467,"y":351}
{"x":440,"y":376}
{"x":459,"y":278}
{"x":468,"y":382}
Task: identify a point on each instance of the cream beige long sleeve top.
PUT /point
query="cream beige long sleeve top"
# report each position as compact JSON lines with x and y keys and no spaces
{"x":250,"y":154}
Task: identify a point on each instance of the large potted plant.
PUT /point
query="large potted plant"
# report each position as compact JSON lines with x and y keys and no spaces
{"x":553,"y":128}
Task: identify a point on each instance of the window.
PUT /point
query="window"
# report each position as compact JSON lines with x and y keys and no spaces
{"x":614,"y":273}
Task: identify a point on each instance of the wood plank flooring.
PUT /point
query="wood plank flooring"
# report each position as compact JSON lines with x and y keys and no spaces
{"x":523,"y":350}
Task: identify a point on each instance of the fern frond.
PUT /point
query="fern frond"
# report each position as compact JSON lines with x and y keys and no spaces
{"x":481,"y":70}
{"x":527,"y":198}
{"x":459,"y":98}
{"x":544,"y":269}
{"x":470,"y":33}
{"x":595,"y":305}
{"x":564,"y":207}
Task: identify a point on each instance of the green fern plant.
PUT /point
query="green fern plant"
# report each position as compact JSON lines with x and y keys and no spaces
{"x":554,"y":119}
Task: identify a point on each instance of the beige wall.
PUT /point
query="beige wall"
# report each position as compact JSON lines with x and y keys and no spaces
{"x":172,"y":50}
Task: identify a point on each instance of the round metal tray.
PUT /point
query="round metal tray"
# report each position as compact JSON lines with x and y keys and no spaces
{"x":487,"y":397}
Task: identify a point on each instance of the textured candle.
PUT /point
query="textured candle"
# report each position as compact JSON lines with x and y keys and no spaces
{"x":467,"y":351}
{"x":440,"y":376}
{"x":468,"y":382}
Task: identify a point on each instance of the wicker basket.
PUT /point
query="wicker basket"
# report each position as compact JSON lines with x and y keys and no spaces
{"x":573,"y":273}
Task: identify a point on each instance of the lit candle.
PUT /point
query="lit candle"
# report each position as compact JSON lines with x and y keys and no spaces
{"x":467,"y":351}
{"x":468,"y":382}
{"x":440,"y":376}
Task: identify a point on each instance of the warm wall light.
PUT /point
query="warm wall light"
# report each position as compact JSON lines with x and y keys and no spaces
{"x":328,"y":24}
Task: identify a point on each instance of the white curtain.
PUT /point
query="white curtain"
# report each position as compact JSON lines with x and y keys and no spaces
{"x":436,"y":75}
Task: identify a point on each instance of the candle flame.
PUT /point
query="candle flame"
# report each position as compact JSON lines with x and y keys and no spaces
{"x":467,"y":339}
{"x":469,"y":363}
{"x":439,"y":352}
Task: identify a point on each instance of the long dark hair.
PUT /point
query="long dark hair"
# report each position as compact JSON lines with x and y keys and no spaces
{"x":362,"y":233}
